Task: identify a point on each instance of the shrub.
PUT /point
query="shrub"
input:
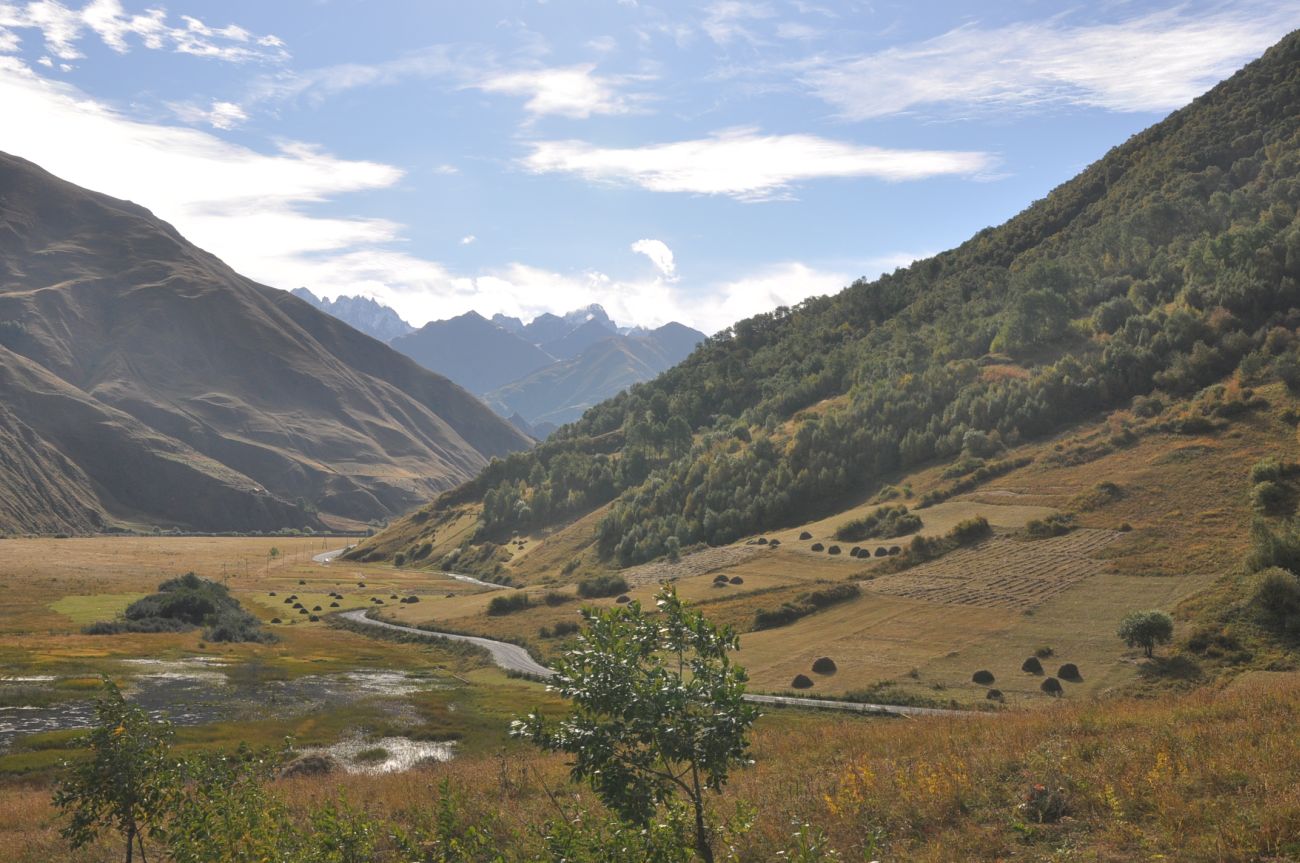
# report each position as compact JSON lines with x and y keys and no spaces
{"x":884,"y":523}
{"x":1043,"y":805}
{"x":597,"y":586}
{"x":1057,"y":524}
{"x":971,"y":530}
{"x":1032,"y":666}
{"x":622,"y":599}
{"x":1052,"y":686}
{"x":804,"y":605}
{"x":825,"y":665}
{"x":565,"y":627}
{"x":508,"y":603}
{"x":553,"y":598}
{"x":1069,"y":671}
{"x":801,"y":681}
{"x":1276,"y":600}
{"x":1043,"y":652}
{"x":994,"y":695}
{"x":1269,"y":496}
{"x":399,"y":559}
{"x":1270,"y":548}
{"x":982,"y":677}
{"x":422,"y":551}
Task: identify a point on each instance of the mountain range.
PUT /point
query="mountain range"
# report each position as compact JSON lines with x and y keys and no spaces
{"x":362,"y":313}
{"x":143,"y":382}
{"x":541,"y":374}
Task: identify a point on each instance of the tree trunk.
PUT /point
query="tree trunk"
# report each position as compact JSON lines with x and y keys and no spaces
{"x":702,"y":845}
{"x":130,"y":843}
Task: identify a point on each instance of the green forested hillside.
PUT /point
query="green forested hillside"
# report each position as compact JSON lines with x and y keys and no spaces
{"x":1163,"y":266}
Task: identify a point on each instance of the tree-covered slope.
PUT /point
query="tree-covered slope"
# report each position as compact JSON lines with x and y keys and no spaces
{"x":1164,"y":265}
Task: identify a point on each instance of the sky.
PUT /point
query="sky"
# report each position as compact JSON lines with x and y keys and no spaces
{"x":698,"y":162}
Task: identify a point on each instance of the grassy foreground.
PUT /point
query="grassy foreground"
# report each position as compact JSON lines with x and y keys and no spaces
{"x":1209,"y":776}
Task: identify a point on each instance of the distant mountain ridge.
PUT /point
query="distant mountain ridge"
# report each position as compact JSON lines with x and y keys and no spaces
{"x":561,"y":392}
{"x":547,"y":372}
{"x":144,"y":382}
{"x":362,"y":313}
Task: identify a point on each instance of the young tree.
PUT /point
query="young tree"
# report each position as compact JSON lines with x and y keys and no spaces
{"x":657,"y":710}
{"x":125,"y":783}
{"x":1146,"y":629}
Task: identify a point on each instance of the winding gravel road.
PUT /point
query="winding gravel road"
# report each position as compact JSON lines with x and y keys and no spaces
{"x":512,"y":657}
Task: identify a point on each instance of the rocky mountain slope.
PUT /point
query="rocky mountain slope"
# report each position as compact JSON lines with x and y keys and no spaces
{"x":142,"y":381}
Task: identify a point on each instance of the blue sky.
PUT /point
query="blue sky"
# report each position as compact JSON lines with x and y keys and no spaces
{"x":690,"y":161}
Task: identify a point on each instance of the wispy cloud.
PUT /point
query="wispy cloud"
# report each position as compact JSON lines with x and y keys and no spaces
{"x":1153,"y":62}
{"x":218,"y":114}
{"x":571,"y":91}
{"x":63,"y":28}
{"x":745,"y":164}
{"x":727,"y":21}
{"x":659,"y":254}
{"x":256,"y":211}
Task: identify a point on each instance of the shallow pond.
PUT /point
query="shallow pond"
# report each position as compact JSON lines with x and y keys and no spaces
{"x":200,"y":690}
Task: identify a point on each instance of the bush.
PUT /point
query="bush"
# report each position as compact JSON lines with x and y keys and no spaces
{"x":883,"y":523}
{"x":399,"y":559}
{"x":184,"y":603}
{"x":1057,"y":524}
{"x":971,"y":530}
{"x":804,"y":605}
{"x":597,"y":586}
{"x":553,"y":598}
{"x":825,"y":665}
{"x":982,"y":677}
{"x":1269,"y":496}
{"x":565,"y":627}
{"x":1276,"y":600}
{"x":508,"y":603}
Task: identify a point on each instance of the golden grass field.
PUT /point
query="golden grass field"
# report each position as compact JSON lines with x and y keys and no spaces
{"x":1201,"y":778}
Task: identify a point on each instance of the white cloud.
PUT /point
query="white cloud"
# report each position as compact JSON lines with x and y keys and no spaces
{"x":724,"y":20}
{"x":1154,"y":62}
{"x":467,"y":239}
{"x":218,"y":115}
{"x":744,"y":164}
{"x":659,"y":254}
{"x":63,"y":28}
{"x":782,"y":284}
{"x":571,"y":91}
{"x":254,"y":211}
{"x":245,"y":206}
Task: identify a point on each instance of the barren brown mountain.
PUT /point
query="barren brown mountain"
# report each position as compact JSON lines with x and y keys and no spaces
{"x":144,"y":382}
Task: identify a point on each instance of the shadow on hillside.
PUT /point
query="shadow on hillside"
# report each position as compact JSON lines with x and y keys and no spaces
{"x":1181,"y":668}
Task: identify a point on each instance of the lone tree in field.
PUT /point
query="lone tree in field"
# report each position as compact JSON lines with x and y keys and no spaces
{"x":657,"y":710}
{"x":125,"y":783}
{"x":1146,"y":629}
